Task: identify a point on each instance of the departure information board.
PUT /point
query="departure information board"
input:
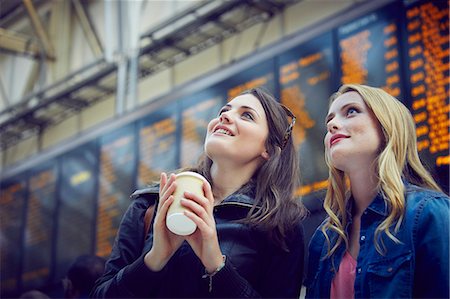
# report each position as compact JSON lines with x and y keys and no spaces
{"x":12,"y":204}
{"x":158,"y":150}
{"x":258,"y":75}
{"x":196,"y":112}
{"x":40,"y":223}
{"x":427,"y":61}
{"x":76,"y":211}
{"x":116,"y":183}
{"x":369,"y":50}
{"x":305,"y":75}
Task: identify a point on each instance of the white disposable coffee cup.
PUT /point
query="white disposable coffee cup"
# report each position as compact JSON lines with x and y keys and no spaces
{"x":176,"y":221}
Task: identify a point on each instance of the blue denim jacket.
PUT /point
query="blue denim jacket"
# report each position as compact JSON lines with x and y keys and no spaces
{"x":417,"y":267}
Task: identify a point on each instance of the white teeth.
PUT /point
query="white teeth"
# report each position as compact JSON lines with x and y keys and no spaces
{"x":223,"y":131}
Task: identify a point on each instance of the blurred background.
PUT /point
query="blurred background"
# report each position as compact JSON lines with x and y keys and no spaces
{"x":98,"y":97}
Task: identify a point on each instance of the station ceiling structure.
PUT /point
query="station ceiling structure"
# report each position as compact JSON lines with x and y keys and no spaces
{"x":201,"y":26}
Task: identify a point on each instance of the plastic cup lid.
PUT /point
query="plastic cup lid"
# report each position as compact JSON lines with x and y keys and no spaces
{"x":191,"y":173}
{"x":180,"y":224}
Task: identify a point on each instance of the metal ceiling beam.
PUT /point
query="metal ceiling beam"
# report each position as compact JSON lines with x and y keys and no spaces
{"x":35,"y":121}
{"x":39,"y":28}
{"x":9,"y":11}
{"x":104,"y":88}
{"x":18,"y":43}
{"x":60,"y":31}
{"x":86,"y":72}
{"x":74,"y":103}
{"x":33,"y":77}
{"x":267,"y":6}
{"x":170,"y":39}
{"x":190,"y":31}
{"x":88,"y":28}
{"x":214,"y":14}
{"x":3,"y":94}
{"x":59,"y":96}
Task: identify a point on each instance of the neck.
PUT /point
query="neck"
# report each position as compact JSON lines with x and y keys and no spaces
{"x":364,"y":187}
{"x":228,"y":178}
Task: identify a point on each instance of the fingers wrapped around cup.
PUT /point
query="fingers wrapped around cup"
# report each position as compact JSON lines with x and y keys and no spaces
{"x":176,"y":220}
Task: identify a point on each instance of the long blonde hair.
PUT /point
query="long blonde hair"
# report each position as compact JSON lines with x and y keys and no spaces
{"x":398,"y":159}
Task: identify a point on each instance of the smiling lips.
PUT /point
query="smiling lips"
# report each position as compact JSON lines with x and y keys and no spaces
{"x":336,"y":138}
{"x":223,"y":130}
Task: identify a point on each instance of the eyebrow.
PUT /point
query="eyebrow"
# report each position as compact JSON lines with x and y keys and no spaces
{"x":245,"y":107}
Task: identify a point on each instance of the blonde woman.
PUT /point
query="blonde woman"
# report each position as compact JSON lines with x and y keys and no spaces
{"x":387,"y":234}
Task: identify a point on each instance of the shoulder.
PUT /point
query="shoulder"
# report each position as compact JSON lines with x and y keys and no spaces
{"x":421,"y":199}
{"x":296,"y":230}
{"x":145,"y":197}
{"x":316,"y":251}
{"x":318,"y":238}
{"x":426,"y":209}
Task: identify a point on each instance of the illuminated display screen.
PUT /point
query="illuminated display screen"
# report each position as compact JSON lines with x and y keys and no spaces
{"x":196,"y":113}
{"x":305,"y":75}
{"x":427,"y":64}
{"x":40,"y":217}
{"x":76,"y":211}
{"x":158,"y":149}
{"x":116,"y":183}
{"x":256,"y":76}
{"x":12,"y":204}
{"x":369,"y":50}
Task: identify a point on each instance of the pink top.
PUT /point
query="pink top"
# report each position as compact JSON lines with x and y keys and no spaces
{"x":343,"y":283}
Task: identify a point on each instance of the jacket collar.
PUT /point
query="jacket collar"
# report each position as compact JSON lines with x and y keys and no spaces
{"x":152,"y":190}
{"x":378,"y":205}
{"x":243,"y":197}
{"x":238,"y":198}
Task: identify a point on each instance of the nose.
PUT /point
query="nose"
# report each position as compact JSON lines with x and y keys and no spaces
{"x":225,"y":117}
{"x":332,"y":125}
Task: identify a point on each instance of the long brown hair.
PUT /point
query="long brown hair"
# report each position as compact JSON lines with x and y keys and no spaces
{"x":398,"y":160}
{"x":275,"y":209}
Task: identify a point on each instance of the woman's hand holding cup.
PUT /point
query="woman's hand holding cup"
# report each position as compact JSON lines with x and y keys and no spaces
{"x":165,"y":243}
{"x":185,"y":211}
{"x":204,"y":240}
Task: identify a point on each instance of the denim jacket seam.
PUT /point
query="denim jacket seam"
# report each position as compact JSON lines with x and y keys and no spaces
{"x":418,"y":214}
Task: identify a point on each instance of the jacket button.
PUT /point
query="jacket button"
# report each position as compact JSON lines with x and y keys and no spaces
{"x":363,"y":238}
{"x":359,"y":270}
{"x":390,"y":269}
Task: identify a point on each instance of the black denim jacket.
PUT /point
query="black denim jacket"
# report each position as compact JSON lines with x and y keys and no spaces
{"x":254,"y":266}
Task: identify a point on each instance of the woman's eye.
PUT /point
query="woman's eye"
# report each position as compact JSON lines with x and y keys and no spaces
{"x":247,"y":115}
{"x":351,"y":111}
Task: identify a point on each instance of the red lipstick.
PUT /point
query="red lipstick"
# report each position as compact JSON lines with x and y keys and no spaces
{"x":336,"y":138}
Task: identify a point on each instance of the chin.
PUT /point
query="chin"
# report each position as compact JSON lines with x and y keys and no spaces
{"x":337,"y":160}
{"x":213,"y":148}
